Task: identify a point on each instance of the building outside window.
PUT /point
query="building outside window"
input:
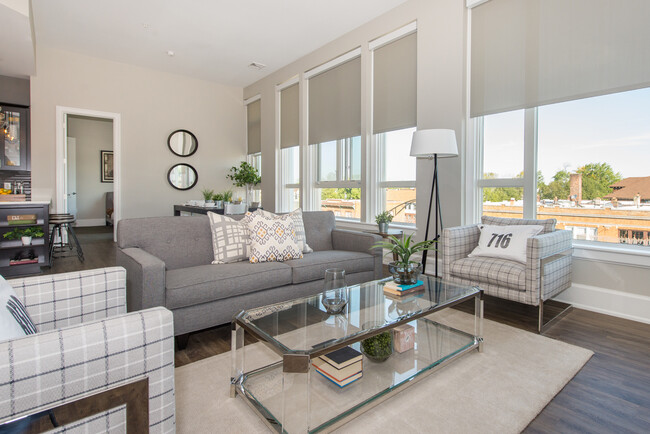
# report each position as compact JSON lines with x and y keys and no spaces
{"x":592,"y":173}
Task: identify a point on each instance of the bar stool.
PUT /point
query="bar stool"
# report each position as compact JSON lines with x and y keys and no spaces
{"x":60,"y":222}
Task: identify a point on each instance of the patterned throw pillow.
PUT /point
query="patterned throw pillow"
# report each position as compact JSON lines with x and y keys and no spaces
{"x":229,"y":239}
{"x":298,"y":224}
{"x":272,"y":239}
{"x":14,"y":319}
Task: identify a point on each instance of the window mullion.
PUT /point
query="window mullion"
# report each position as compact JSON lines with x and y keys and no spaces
{"x":530,"y":163}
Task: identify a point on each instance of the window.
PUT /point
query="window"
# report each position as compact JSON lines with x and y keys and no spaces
{"x":396,"y":187}
{"x":502,"y":169}
{"x":588,"y":163}
{"x":290,"y":178}
{"x":338,"y":174}
{"x":256,"y":161}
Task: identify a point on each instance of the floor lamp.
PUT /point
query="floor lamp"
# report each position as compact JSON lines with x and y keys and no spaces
{"x":433,"y":144}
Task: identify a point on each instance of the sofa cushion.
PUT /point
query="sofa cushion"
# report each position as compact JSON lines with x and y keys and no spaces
{"x":312,"y":267}
{"x":501,"y":272}
{"x":318,"y":229}
{"x":205,"y":283}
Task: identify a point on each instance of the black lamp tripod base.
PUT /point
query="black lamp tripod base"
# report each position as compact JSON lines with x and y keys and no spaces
{"x":438,"y":218}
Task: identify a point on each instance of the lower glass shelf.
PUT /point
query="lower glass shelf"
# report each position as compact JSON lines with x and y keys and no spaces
{"x":311,"y":403}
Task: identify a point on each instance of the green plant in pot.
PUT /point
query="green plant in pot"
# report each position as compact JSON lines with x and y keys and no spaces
{"x":245,"y":176}
{"x":25,"y":234}
{"x":379,"y":347}
{"x":227,"y":196}
{"x":405,"y":271}
{"x":207,"y":195}
{"x":218,"y":200}
{"x":383,"y":219}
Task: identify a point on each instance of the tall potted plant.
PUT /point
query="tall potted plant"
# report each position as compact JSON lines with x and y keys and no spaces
{"x":245,"y":176}
{"x":404,"y":270}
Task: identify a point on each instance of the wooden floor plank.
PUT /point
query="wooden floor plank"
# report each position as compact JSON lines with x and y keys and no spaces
{"x":611,"y":394}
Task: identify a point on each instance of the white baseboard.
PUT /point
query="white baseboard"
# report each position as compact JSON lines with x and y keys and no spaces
{"x":608,"y":301}
{"x":90,"y":222}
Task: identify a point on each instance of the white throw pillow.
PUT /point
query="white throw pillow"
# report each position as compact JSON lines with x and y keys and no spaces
{"x":14,"y":320}
{"x":272,"y":239}
{"x":229,"y":239}
{"x":505,"y":242}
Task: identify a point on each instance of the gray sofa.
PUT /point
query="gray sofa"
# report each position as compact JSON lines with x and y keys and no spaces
{"x":168,"y":263}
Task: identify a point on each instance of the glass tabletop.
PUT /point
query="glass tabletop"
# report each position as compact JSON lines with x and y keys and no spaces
{"x":303,"y":325}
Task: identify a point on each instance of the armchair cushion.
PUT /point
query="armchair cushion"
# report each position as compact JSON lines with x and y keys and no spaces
{"x":548,"y":224}
{"x":495,"y":271}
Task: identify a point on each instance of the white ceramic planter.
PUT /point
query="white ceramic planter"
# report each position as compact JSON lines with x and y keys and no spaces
{"x":26,"y":240}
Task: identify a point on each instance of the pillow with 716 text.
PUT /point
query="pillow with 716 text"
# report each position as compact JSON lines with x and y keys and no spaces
{"x":505,"y":242}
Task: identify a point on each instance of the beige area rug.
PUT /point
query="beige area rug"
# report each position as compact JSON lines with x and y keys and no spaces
{"x":500,"y":390}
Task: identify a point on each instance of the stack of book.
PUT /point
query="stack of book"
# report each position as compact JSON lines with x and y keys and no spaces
{"x":341,"y":367}
{"x":393,"y":289}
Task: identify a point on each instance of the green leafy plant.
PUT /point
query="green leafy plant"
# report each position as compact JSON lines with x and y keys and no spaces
{"x":32,"y":231}
{"x":227,"y":196}
{"x":245,"y":175}
{"x":217,"y":196}
{"x":384,"y":217}
{"x":404,"y":248}
{"x":207,"y":194}
{"x":379,"y":347}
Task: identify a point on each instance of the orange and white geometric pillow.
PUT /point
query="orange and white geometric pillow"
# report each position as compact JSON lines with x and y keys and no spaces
{"x":272,"y":239}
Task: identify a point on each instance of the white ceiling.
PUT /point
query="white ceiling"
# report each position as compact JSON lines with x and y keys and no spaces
{"x":212,"y":39}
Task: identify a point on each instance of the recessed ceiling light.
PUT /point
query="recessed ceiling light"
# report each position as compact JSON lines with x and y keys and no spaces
{"x":170,"y":53}
{"x":257,"y":65}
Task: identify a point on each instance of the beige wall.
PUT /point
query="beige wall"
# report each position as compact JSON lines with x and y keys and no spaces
{"x":92,"y":136}
{"x":441,"y":96}
{"x":152,"y":104}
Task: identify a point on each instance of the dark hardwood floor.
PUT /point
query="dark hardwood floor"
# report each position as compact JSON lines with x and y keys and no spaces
{"x":611,"y":394}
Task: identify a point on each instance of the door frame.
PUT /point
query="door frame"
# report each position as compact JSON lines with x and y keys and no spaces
{"x":61,"y":133}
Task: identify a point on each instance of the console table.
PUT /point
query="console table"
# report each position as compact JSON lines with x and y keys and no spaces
{"x":199,"y":209}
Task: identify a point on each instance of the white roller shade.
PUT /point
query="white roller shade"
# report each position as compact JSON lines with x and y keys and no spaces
{"x":254,"y":127}
{"x":395,"y":85}
{"x":535,"y":52}
{"x":289,"y":117}
{"x":335,"y":103}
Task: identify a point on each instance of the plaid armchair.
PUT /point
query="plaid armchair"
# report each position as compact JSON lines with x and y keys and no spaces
{"x":87,"y":346}
{"x":546,"y":273}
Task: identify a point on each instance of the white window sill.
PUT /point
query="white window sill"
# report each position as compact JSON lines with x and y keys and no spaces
{"x":362,"y":226}
{"x":613,"y":253}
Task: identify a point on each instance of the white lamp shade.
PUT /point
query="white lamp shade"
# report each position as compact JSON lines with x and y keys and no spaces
{"x":439,"y":142}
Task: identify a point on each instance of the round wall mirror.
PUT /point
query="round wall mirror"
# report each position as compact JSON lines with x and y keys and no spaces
{"x":182,"y":143}
{"x":182,"y":176}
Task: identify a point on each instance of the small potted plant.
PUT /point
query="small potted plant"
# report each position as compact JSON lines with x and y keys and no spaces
{"x":207,"y":196}
{"x":245,"y":176}
{"x":405,"y":271}
{"x":25,"y":234}
{"x":227,"y":196}
{"x":218,"y":200}
{"x":383,"y":219}
{"x":379,"y":347}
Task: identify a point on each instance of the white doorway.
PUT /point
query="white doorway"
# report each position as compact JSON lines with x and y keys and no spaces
{"x":64,"y":185}
{"x":71,"y":179}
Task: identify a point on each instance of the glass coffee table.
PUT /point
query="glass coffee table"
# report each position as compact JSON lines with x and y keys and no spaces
{"x":290,"y":396}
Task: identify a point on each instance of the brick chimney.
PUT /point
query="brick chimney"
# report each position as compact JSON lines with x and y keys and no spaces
{"x":575,"y":187}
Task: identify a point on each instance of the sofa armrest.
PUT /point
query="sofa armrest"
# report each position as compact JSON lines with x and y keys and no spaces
{"x":45,"y":370}
{"x":356,"y":241}
{"x":546,"y":245}
{"x":65,"y":299}
{"x":145,"y":276}
{"x":457,"y":243}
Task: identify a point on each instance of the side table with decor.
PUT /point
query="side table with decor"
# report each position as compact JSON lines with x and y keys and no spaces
{"x":390,"y":233}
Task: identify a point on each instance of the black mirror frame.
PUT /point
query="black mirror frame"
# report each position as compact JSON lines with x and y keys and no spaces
{"x":196,"y":177}
{"x":196,"y":142}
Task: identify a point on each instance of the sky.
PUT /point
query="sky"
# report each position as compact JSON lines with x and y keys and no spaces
{"x":613,"y":128}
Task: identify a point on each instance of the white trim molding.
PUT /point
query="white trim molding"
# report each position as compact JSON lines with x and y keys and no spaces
{"x":333,"y":63}
{"x":90,"y":222}
{"x":61,"y":133}
{"x":621,"y":304}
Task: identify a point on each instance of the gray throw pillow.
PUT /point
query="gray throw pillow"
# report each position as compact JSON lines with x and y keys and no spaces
{"x":229,"y":239}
